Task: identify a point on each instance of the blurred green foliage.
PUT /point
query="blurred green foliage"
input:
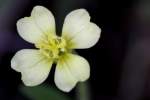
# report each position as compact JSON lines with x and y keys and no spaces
{"x":43,"y":92}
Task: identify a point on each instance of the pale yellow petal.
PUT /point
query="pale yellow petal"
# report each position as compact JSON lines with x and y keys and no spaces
{"x":36,"y":27}
{"x":33,"y":66}
{"x":24,"y":58}
{"x":44,"y":19}
{"x":79,"y":31}
{"x":70,"y":70}
{"x":37,"y":74}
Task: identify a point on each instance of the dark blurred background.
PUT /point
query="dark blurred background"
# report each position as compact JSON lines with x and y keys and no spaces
{"x":120,"y":61}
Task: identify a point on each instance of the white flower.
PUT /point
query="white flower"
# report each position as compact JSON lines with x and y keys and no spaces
{"x":39,"y":29}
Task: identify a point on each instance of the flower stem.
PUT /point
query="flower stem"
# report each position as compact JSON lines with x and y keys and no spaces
{"x":83,"y":91}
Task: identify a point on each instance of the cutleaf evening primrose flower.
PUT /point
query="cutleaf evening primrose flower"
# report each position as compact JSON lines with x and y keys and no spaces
{"x":39,"y":29}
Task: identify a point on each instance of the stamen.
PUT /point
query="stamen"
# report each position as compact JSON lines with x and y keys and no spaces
{"x":53,"y":48}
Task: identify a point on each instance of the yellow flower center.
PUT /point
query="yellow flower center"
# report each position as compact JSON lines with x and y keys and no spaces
{"x":53,"y":47}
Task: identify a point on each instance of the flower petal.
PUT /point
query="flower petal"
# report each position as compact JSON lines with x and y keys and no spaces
{"x":71,"y":69}
{"x":44,"y":19}
{"x":79,"y":31}
{"x":32,"y":65}
{"x":37,"y":26}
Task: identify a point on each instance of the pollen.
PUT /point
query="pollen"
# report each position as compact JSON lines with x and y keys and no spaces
{"x":52,"y":47}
